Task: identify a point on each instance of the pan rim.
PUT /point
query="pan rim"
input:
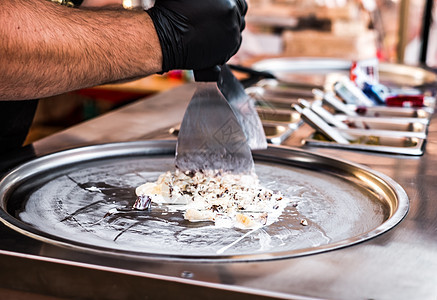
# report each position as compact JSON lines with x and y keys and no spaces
{"x":276,"y":154}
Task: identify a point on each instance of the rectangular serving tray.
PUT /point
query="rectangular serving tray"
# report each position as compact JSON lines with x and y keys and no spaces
{"x":386,"y":144}
{"x":411,"y":127}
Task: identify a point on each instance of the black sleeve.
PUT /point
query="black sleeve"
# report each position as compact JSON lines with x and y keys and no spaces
{"x":15,"y":120}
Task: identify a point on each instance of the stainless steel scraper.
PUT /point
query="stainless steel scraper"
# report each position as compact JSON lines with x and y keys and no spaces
{"x":210,"y":136}
{"x":244,"y":108}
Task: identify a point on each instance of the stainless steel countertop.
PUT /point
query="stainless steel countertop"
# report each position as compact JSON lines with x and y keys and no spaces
{"x":400,"y":264}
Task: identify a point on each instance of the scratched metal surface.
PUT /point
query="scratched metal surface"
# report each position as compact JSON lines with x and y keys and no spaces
{"x":69,"y":198}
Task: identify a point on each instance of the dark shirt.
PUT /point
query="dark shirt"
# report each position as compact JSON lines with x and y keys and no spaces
{"x":15,"y":120}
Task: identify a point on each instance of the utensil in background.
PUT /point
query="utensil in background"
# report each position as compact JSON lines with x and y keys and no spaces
{"x":318,"y":123}
{"x":243,"y":106}
{"x":327,"y":116}
{"x":350,"y":93}
{"x":330,"y":119}
{"x":210,"y":136}
{"x":330,"y":99}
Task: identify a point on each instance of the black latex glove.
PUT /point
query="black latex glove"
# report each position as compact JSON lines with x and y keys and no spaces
{"x":198,"y":34}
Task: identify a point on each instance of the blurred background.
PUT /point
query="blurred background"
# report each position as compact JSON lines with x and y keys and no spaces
{"x":399,"y":31}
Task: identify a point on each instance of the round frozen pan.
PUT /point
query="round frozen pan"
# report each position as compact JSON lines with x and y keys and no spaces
{"x":82,"y":199}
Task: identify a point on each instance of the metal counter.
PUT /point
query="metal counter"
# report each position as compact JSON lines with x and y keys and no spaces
{"x":399,"y":264}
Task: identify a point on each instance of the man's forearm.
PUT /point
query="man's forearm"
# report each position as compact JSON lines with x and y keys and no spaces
{"x":47,"y":49}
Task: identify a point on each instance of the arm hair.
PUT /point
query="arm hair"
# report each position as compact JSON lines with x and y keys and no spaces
{"x":48,"y":49}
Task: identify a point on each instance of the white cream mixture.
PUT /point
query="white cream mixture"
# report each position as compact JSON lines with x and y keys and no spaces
{"x":226,"y":199}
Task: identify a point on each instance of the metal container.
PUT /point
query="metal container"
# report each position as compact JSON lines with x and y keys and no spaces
{"x":81,"y":198}
{"x":276,"y":133}
{"x":394,"y":112}
{"x":284,"y":116}
{"x":404,"y":126}
{"x":271,"y":101}
{"x":274,"y":88}
{"x":367,"y":140}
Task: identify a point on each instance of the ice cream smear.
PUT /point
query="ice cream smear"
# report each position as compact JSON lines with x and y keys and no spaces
{"x":228,"y":200}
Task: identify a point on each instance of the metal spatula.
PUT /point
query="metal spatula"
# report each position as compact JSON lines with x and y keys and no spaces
{"x":244,"y":108}
{"x":210,"y":136}
{"x":318,"y":123}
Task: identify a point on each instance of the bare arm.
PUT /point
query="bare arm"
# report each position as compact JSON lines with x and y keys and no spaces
{"x":47,"y":49}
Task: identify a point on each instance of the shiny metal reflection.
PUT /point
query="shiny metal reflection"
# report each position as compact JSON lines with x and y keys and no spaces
{"x":384,"y":189}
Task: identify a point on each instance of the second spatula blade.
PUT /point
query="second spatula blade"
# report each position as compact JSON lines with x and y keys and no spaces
{"x":244,"y":108}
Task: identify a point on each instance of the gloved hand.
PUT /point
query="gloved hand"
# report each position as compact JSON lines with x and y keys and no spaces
{"x":198,"y":34}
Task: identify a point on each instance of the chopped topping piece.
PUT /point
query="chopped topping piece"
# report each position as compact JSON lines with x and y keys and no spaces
{"x":244,"y":220}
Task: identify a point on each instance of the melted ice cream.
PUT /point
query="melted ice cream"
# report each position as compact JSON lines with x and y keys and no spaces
{"x":229,"y":200}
